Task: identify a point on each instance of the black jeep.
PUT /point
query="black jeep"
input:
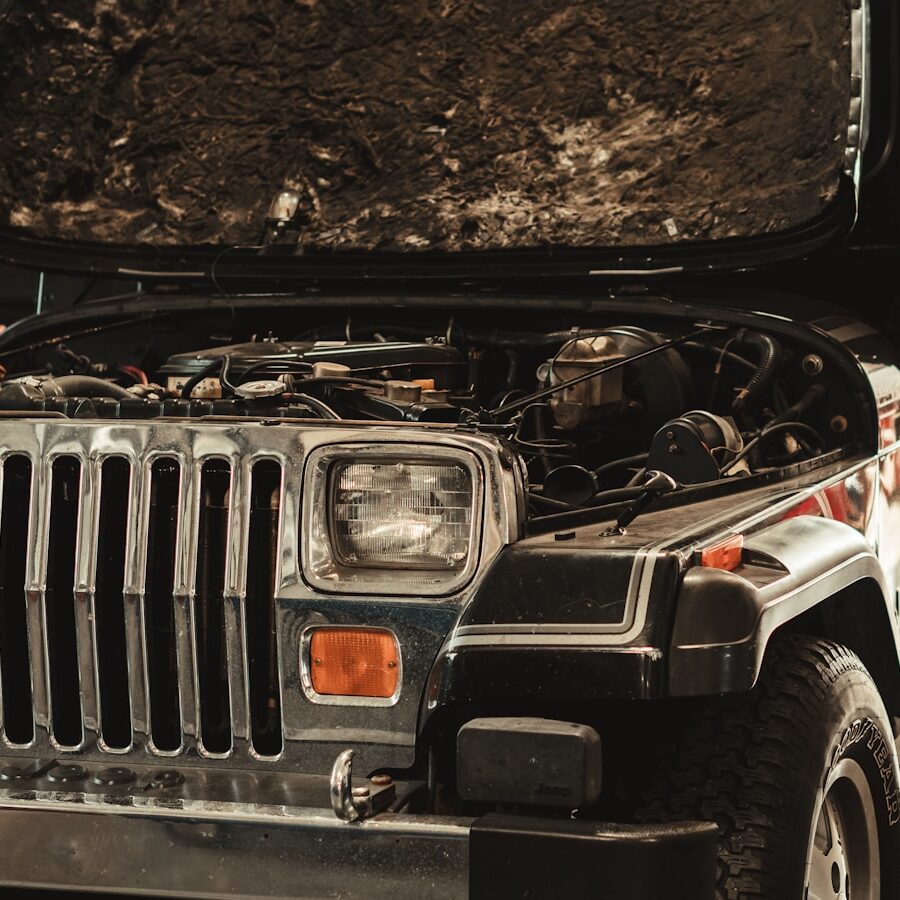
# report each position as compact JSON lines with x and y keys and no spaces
{"x":486,"y":483}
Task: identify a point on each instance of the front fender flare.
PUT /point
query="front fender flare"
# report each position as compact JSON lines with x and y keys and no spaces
{"x":724,"y":620}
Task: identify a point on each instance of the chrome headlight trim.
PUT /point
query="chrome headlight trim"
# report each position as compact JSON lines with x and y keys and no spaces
{"x":320,"y":563}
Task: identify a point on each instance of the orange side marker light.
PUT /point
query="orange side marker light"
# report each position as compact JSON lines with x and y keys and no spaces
{"x":354,"y":662}
{"x":724,"y":555}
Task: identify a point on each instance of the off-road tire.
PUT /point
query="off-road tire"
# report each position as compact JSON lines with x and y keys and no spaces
{"x":756,"y":765}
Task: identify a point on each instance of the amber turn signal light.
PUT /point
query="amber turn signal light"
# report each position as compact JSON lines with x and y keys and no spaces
{"x":354,"y":662}
{"x":724,"y":555}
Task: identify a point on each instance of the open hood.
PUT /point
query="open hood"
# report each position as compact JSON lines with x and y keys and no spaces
{"x":150,"y":136}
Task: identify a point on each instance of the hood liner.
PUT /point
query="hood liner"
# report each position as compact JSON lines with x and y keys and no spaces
{"x":422,"y":125}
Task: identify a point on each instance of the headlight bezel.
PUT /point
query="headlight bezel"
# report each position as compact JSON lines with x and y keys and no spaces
{"x":320,"y":561}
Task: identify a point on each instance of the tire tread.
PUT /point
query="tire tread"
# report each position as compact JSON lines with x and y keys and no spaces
{"x":732,"y":756}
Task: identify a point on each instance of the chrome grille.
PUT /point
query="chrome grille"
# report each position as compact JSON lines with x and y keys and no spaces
{"x":151,"y":601}
{"x":136,"y":570}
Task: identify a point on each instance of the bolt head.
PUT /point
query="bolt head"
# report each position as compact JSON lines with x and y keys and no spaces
{"x":360,"y":792}
{"x":839,"y":424}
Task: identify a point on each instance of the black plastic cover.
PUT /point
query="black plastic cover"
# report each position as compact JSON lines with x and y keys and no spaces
{"x":538,"y":762}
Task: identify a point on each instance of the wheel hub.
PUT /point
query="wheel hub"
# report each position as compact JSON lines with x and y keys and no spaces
{"x":829,"y":875}
{"x":843,"y":861}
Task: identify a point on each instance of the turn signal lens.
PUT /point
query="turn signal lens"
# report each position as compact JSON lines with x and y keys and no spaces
{"x":354,"y":662}
{"x":724,"y":555}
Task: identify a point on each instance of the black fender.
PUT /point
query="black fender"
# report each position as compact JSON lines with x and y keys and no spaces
{"x":724,"y":620}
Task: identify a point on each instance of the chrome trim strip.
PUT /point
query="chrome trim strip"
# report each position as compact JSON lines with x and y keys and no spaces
{"x":233,"y":812}
{"x":290,"y":526}
{"x":234,"y":597}
{"x":860,"y":65}
{"x":85,"y":586}
{"x":183,"y":590}
{"x":135,"y":580}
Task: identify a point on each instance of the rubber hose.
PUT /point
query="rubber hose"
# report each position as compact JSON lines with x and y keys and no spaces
{"x":770,"y":359}
{"x":85,"y":386}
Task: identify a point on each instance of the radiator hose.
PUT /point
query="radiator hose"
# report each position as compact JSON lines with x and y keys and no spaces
{"x":31,"y":389}
{"x":85,"y":386}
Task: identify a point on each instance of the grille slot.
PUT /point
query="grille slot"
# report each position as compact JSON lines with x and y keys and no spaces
{"x":59,"y":602}
{"x":15,"y":673}
{"x":109,"y":609}
{"x":159,"y":612}
{"x":262,"y":640}
{"x":209,"y":611}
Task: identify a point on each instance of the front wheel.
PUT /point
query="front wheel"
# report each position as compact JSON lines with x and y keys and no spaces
{"x":800,"y":775}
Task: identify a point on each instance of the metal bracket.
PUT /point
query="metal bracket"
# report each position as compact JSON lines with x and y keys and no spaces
{"x":353,"y":804}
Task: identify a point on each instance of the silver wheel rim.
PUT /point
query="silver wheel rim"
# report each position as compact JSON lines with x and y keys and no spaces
{"x":843,"y":861}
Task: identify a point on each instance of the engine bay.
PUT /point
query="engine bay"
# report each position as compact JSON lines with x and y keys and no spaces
{"x":595,"y":412}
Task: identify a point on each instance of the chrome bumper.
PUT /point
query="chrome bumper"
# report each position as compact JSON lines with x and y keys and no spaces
{"x":180,"y":853}
{"x":227,"y":834}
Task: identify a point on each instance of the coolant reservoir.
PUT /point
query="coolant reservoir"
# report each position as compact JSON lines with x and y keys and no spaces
{"x":585,"y":403}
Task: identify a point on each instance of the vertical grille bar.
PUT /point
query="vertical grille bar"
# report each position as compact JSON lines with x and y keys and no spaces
{"x":209,"y":612}
{"x":134,"y":594}
{"x":15,"y":676}
{"x":159,"y":608}
{"x":35,"y":585}
{"x":235,"y":591}
{"x":114,"y":710}
{"x":261,"y":617}
{"x":85,"y":569}
{"x":185,"y":565}
{"x":59,"y":602}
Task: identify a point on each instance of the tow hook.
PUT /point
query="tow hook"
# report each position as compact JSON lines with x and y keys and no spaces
{"x":353,"y":804}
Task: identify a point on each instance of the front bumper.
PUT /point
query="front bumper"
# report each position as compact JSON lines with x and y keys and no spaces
{"x":173,"y":841}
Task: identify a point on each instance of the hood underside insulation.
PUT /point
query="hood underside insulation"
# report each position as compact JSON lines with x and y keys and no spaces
{"x":412,"y":125}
